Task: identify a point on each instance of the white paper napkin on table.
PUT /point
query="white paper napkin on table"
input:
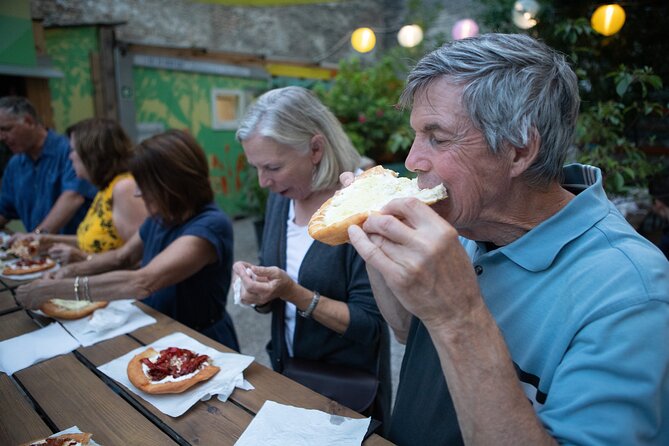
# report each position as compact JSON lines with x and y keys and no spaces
{"x":277,"y":424}
{"x":28,"y":349}
{"x":116,"y":319}
{"x":222,"y":384}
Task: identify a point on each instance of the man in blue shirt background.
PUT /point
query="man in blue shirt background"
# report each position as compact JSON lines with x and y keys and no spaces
{"x":39,"y":185}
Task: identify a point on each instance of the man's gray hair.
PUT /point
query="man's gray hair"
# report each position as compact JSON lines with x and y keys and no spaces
{"x":293,"y":116}
{"x":18,"y":106}
{"x":514,"y":86}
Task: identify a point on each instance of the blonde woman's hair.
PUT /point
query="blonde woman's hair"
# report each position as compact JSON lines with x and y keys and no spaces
{"x":293,"y":116}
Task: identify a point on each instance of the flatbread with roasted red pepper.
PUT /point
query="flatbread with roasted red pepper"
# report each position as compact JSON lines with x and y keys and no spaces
{"x":172,"y":370}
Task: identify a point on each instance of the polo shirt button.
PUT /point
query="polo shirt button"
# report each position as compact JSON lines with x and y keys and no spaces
{"x":478,"y":269}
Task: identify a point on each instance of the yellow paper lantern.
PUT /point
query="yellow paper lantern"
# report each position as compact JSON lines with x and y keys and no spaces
{"x":608,"y":19}
{"x":363,"y":40}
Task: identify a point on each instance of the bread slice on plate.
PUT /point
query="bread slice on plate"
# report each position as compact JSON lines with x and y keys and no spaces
{"x":366,"y":195}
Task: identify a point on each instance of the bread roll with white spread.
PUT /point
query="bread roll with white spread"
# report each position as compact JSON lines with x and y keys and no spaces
{"x":367,"y":194}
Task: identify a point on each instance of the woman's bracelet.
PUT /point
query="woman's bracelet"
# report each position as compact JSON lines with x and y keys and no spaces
{"x":76,"y":288}
{"x":312,"y":306}
{"x":86,"y":292}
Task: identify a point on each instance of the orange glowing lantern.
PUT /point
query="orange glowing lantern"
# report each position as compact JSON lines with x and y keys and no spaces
{"x":608,"y":19}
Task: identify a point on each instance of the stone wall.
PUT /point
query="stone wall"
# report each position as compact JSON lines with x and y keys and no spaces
{"x":314,"y":33}
{"x":305,"y":32}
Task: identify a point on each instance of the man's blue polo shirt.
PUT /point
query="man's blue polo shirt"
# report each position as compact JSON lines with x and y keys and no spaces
{"x":582,"y":301}
{"x":30,"y":188}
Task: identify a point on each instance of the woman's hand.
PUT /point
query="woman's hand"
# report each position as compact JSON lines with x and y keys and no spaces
{"x":66,"y":254}
{"x":32,"y":295}
{"x":60,"y":273}
{"x":262,"y":285}
{"x":18,"y":236}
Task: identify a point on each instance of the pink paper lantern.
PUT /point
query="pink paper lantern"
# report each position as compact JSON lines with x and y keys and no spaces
{"x":464,"y":28}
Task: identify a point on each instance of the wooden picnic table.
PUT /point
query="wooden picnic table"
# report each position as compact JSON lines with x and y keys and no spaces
{"x":69,"y":390}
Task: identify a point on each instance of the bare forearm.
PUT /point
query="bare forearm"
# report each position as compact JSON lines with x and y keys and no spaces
{"x":488,"y":399}
{"x":62,"y":211}
{"x":397,"y":317}
{"x":331,"y":313}
{"x":116,"y":285}
{"x":99,"y":263}
{"x":113,"y":285}
{"x":48,"y":240}
{"x":67,"y":239}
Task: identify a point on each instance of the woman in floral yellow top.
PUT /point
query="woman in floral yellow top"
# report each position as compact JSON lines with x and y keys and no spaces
{"x":100,"y":154}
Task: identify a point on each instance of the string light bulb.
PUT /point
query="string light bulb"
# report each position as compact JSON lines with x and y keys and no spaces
{"x":464,"y":28}
{"x":410,"y":36}
{"x":608,"y":19}
{"x":363,"y":40}
{"x":524,"y":13}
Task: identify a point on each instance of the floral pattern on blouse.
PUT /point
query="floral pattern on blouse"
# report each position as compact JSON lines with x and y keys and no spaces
{"x":97,"y":232}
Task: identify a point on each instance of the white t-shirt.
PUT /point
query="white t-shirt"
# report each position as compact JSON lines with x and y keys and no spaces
{"x":298,"y":242}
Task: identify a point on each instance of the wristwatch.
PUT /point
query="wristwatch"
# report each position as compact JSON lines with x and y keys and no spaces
{"x":312,"y":306}
{"x":39,"y":231}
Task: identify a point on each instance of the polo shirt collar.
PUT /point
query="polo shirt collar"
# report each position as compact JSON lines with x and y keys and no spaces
{"x":48,"y":149}
{"x":536,"y":250}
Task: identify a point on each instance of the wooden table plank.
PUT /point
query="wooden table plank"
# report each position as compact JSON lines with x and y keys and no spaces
{"x":20,"y":423}
{"x":210,"y":422}
{"x":13,"y":284}
{"x":7,"y":302}
{"x":90,"y":404}
{"x":16,"y":324}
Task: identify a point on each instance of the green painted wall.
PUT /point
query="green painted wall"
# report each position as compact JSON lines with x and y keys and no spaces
{"x":182,"y":100}
{"x":17,"y":46}
{"x":72,"y":95}
{"x":174,"y":99}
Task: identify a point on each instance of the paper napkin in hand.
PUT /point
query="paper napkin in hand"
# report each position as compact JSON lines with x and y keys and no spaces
{"x":28,"y":349}
{"x":222,"y":384}
{"x":278,"y":424}
{"x":237,"y":287}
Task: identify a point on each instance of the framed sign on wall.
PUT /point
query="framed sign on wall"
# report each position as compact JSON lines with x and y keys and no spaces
{"x":227,"y":108}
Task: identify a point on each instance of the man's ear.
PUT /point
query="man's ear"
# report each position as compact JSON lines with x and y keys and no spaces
{"x":523,"y":157}
{"x":29,"y":120}
{"x":316,"y":147}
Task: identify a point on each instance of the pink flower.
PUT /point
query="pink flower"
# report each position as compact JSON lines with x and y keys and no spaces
{"x":362,"y":118}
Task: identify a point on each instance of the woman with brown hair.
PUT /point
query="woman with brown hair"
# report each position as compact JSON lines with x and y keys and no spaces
{"x":185,"y":246}
{"x":100,"y":153}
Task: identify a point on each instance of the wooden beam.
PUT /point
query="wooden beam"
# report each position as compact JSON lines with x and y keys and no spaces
{"x":38,"y":92}
{"x":98,"y":98}
{"x":199,"y":54}
{"x":107,"y":74}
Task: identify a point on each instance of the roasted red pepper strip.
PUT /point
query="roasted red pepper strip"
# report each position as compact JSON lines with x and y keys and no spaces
{"x":174,"y":362}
